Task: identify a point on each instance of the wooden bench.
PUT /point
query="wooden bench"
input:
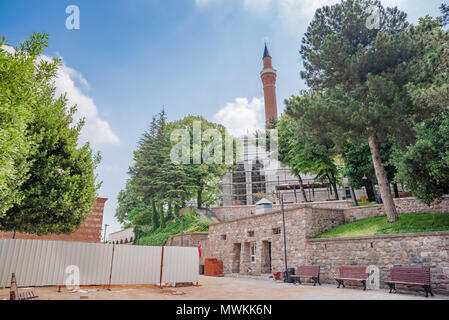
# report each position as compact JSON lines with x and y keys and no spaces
{"x":307,"y":272}
{"x":352,"y":273}
{"x":14,"y":291}
{"x":410,"y":277}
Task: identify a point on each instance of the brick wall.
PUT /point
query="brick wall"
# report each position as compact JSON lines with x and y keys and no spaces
{"x":411,"y":250}
{"x":89,"y":232}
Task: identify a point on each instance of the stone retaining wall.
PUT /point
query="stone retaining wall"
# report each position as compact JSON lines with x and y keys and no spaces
{"x":231,"y":242}
{"x":231,"y":213}
{"x":411,"y":250}
{"x":403,"y":205}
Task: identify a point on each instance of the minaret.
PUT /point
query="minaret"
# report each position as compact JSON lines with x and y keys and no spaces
{"x":268,"y":76}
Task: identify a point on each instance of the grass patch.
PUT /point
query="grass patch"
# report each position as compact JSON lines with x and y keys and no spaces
{"x":367,"y":203}
{"x":192,"y":224}
{"x":408,"y":223}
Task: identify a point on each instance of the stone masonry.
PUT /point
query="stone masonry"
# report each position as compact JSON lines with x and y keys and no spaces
{"x":254,"y":244}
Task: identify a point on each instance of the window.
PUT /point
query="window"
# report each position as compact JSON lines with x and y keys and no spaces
{"x":276,"y":230}
{"x":253,"y":252}
{"x":251,"y":233}
{"x":223,"y":237}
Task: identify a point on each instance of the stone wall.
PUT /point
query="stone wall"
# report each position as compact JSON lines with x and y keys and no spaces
{"x":231,"y":241}
{"x":237,"y":212}
{"x":411,"y":250}
{"x":403,"y":205}
{"x":89,"y":232}
{"x":319,"y":220}
{"x":191,"y":240}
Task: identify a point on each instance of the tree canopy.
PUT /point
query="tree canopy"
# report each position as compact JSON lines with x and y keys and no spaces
{"x":360,"y":80}
{"x":57,"y":188}
{"x":424,"y":166}
{"x":302,"y":155}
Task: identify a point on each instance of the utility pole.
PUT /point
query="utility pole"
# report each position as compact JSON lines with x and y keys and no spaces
{"x":182,"y":231}
{"x":105,"y":228}
{"x":285,"y":238}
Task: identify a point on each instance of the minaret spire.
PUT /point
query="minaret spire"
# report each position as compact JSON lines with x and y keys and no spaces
{"x":269,"y":76}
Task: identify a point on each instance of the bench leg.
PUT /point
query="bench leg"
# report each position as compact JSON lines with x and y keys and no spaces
{"x":428,"y":289}
{"x":341,"y":283}
{"x":315,"y":281}
{"x":392,"y":287}
{"x":364,"y":285}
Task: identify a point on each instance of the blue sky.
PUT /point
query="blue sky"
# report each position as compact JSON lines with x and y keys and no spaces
{"x":131,"y":57}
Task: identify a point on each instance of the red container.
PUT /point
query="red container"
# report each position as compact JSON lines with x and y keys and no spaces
{"x":213,"y":268}
{"x":277,"y":275}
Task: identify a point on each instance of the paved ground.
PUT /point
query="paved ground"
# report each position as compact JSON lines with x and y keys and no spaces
{"x":224,"y":289}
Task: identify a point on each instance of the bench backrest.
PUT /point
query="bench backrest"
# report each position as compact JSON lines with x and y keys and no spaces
{"x":308,"y":271}
{"x":414,"y":275}
{"x":356,"y":272}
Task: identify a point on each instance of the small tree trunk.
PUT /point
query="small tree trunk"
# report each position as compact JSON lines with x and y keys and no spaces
{"x":334,"y":185}
{"x":384,"y":185}
{"x":354,"y":198}
{"x":200,"y":198}
{"x":301,"y":186}
{"x":396,"y":190}
{"x":370,"y":193}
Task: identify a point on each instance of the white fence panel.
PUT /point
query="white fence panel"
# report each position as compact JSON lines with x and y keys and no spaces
{"x":44,"y":263}
{"x":181,"y":264}
{"x":136,"y":265}
{"x":39,"y":263}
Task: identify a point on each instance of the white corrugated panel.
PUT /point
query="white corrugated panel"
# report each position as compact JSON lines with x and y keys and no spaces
{"x":181,"y":264}
{"x":136,"y":265}
{"x":39,"y":263}
{"x":44,"y":263}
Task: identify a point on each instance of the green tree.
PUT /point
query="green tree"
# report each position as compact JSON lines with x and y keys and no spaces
{"x":302,"y":155}
{"x":424,"y":166}
{"x":445,"y":14}
{"x":359,"y":168}
{"x":157,"y":180}
{"x":358,"y":78}
{"x":60,"y":190}
{"x":18,"y":91}
{"x":129,"y":203}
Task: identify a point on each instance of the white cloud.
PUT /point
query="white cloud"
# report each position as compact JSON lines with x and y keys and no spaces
{"x":242,"y":116}
{"x":289,"y":13}
{"x":96,"y":130}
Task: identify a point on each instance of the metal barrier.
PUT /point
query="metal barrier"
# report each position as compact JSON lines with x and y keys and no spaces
{"x":39,"y":263}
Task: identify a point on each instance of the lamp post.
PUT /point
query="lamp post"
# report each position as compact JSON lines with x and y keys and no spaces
{"x":285,"y":238}
{"x":281,"y":200}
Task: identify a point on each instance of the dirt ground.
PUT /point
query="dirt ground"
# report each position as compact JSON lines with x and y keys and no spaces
{"x":222,"y":289}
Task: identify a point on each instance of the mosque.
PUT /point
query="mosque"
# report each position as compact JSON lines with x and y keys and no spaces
{"x":260,"y":176}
